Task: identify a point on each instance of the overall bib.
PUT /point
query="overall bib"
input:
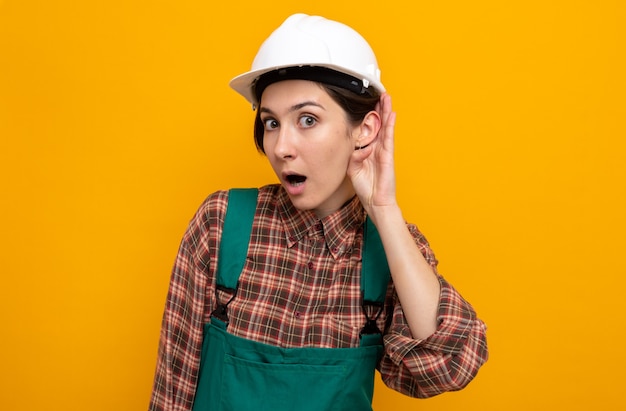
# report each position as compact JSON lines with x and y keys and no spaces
{"x":239,"y":374}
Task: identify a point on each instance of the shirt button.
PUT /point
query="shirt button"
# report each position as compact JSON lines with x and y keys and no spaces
{"x":297,"y":314}
{"x":310,"y":266}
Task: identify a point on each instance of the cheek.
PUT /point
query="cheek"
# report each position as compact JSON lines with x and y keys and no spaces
{"x":267,"y":143}
{"x":270,"y":155}
{"x":333,"y":157}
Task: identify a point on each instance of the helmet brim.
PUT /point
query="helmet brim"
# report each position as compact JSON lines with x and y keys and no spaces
{"x":244,"y":83}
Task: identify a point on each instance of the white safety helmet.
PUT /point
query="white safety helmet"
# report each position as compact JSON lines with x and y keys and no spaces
{"x":312,"y":44}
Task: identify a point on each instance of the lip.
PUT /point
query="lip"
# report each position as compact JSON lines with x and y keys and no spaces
{"x":293,"y":189}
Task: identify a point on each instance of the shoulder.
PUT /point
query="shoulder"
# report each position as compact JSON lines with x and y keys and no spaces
{"x":269,"y":199}
{"x":270,"y":192}
{"x":213,"y":208}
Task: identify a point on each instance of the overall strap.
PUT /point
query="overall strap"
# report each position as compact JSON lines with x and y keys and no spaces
{"x":375,"y":273}
{"x":238,"y":221}
{"x":234,"y":245}
{"x":375,"y":276}
{"x":236,"y":235}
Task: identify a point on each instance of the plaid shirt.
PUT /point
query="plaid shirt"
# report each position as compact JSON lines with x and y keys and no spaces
{"x":300,"y":287}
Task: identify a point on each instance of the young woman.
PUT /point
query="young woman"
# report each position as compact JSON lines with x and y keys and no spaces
{"x":296,"y":308}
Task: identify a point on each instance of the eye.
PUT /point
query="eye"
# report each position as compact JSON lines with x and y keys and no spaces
{"x":270,"y":124}
{"x":307,"y":121}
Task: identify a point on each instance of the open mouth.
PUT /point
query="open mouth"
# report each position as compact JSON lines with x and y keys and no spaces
{"x":295,"y":179}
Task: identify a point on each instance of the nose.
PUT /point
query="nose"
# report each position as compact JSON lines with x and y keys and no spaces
{"x":284,"y":147}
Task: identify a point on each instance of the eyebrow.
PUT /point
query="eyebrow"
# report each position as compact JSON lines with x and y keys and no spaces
{"x":295,"y":107}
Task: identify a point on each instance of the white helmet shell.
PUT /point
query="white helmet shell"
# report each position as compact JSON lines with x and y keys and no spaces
{"x":304,"y":40}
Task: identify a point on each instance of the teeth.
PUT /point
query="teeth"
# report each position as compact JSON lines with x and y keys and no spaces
{"x":295,"y":179}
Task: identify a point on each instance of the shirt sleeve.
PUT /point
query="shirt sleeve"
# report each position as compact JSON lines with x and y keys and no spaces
{"x":447,"y":360}
{"x":180,"y":343}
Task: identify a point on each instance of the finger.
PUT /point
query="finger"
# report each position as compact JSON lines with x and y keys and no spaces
{"x":388,"y":120}
{"x":385,"y":104}
{"x":389,"y":134}
{"x":358,"y":160}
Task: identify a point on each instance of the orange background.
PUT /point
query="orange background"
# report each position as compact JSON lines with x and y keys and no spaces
{"x":116,"y":120}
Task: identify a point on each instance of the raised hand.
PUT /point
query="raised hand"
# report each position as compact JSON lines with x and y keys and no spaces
{"x":371,"y":167}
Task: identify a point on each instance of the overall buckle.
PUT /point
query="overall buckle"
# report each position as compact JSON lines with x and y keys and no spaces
{"x":370,"y":326}
{"x":221,"y":312}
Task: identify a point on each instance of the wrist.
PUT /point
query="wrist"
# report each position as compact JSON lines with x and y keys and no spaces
{"x":387,"y":215}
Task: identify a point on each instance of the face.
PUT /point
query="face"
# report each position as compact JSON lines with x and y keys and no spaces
{"x":308,"y":142}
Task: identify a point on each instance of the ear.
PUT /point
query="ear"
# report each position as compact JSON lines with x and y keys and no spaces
{"x":367,"y":131}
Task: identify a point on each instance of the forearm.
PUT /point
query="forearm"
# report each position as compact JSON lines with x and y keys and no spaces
{"x":416,"y":283}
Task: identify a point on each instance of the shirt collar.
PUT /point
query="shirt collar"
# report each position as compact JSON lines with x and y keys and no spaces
{"x":338,"y":228}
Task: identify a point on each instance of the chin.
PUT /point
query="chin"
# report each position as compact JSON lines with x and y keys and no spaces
{"x":302,"y":204}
